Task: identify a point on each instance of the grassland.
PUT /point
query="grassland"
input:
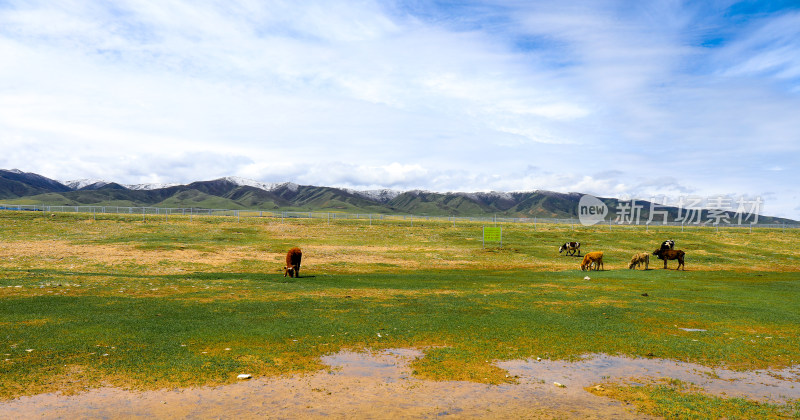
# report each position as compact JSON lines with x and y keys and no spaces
{"x":174,"y":303}
{"x":674,"y":399}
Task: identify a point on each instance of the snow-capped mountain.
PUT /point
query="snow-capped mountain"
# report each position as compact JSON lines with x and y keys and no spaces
{"x":93,"y":184}
{"x":79,"y":184}
{"x":154,"y":186}
{"x":382,"y":196}
{"x":487,"y":195}
{"x":16,"y":184}
{"x":36,"y":182}
{"x":266,"y":186}
{"x":89,"y":183}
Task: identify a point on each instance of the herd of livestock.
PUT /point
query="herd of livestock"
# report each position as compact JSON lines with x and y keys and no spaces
{"x":594,"y":260}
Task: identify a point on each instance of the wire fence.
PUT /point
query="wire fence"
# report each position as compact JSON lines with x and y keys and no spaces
{"x":163,"y":212}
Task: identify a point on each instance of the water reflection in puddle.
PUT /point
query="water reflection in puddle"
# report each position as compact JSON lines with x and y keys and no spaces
{"x":775,"y":386}
{"x":388,"y":365}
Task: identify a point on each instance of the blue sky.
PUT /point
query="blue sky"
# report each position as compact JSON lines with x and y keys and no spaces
{"x":613,"y":98}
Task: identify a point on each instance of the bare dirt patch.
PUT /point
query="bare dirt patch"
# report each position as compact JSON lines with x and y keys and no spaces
{"x":352,"y":259}
{"x":380,"y":385}
{"x":356,"y":385}
{"x":54,"y":250}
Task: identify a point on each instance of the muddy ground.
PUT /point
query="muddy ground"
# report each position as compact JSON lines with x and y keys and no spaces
{"x":380,"y":385}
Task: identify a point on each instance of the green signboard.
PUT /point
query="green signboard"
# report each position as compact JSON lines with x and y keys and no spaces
{"x":492,"y":234}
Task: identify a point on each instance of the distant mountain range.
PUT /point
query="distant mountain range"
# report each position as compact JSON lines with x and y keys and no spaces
{"x":18,"y":187}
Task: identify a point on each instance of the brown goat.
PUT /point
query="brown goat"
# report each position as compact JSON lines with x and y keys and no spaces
{"x":592,"y":258}
{"x":639,"y":259}
{"x":292,"y":267}
{"x":671,"y":254}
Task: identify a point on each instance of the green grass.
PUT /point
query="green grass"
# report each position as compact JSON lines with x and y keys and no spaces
{"x":147,"y":305}
{"x":675,"y":399}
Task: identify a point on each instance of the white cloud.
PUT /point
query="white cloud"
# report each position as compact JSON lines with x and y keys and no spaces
{"x":405,"y":95}
{"x":768,"y":49}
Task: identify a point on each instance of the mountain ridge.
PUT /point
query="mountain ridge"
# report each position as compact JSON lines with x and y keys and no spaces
{"x":240,"y":193}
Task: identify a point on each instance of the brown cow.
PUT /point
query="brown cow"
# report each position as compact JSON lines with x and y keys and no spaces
{"x":639,"y":259}
{"x":671,"y":254}
{"x":292,"y":267}
{"x":592,"y":258}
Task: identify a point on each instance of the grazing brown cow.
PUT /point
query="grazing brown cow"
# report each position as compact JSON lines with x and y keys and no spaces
{"x":671,"y":254}
{"x":639,"y":259}
{"x":292,"y":267}
{"x":592,"y":258}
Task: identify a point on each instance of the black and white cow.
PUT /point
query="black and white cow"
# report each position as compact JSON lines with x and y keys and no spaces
{"x":666,"y":246}
{"x":570,"y":247}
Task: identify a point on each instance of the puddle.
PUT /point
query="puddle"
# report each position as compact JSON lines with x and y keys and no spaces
{"x":388,"y":365}
{"x":380,"y":385}
{"x":773,"y":386}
